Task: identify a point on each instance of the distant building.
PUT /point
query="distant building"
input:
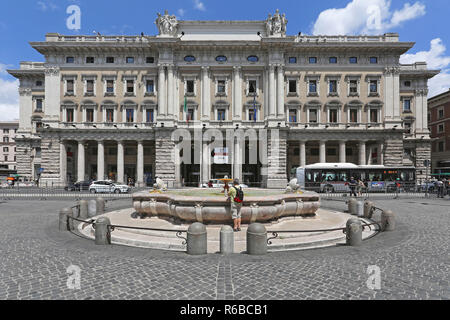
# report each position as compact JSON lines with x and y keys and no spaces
{"x":8,"y":132}
{"x":439,"y":124}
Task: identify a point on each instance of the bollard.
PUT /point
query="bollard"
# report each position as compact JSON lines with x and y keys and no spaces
{"x":92,"y":208}
{"x":102,"y":234}
{"x":359,"y":209}
{"x":100,"y":206}
{"x":387,"y":221}
{"x":83,"y":209}
{"x":353,"y":231}
{"x":226,"y":240}
{"x":256,"y":239}
{"x":63,"y":219}
{"x":351,"y":206}
{"x":197,"y":239}
{"x":368,"y":209}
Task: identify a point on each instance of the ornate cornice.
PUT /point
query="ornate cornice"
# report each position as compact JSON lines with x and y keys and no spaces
{"x":25,"y":91}
{"x":51,"y":70}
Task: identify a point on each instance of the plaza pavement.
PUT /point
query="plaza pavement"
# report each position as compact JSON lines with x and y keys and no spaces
{"x":34,"y":257}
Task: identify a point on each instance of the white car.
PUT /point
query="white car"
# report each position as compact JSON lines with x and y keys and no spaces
{"x":107,"y":186}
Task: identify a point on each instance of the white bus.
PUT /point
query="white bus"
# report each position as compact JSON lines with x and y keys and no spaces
{"x":334,"y":177}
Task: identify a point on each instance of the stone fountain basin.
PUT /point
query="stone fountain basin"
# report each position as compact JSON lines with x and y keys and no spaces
{"x":209,"y":208}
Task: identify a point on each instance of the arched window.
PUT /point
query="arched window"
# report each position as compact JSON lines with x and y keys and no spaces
{"x":221,"y":59}
{"x":189,"y":58}
{"x":253,"y":59}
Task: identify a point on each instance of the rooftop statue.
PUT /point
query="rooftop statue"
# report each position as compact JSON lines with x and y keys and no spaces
{"x":167,"y":25}
{"x":276,"y":25}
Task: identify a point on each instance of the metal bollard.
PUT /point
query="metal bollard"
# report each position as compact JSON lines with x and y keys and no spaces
{"x":83,"y":209}
{"x":64,"y":219}
{"x":100,"y":206}
{"x":352,"y":206}
{"x":197,"y":239}
{"x":353,"y":232}
{"x":256,"y":239}
{"x":226,"y":240}
{"x":102,"y":233}
{"x":387,"y":221}
{"x":359,"y":208}
{"x":368,"y":209}
{"x":92,"y":208}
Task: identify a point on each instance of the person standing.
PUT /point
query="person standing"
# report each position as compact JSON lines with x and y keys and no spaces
{"x":236,"y":196}
{"x":440,"y":189}
{"x":352,"y":184}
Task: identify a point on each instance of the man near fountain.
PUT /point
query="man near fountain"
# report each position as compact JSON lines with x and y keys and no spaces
{"x":236,"y":197}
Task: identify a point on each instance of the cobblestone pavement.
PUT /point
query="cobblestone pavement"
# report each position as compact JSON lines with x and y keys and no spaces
{"x":34,"y":257}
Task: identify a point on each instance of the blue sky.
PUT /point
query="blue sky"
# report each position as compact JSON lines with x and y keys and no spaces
{"x":423,"y":21}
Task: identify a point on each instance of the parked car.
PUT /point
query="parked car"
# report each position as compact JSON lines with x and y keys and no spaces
{"x":78,"y":186}
{"x":107,"y":186}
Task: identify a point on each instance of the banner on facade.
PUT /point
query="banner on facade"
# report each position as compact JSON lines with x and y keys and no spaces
{"x":220,"y":155}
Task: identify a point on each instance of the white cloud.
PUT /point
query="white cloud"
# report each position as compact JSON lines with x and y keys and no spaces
{"x":199,"y":5}
{"x":435,"y":59}
{"x":9,"y":100}
{"x":365,"y":17}
{"x":44,"y":5}
{"x":181,"y":12}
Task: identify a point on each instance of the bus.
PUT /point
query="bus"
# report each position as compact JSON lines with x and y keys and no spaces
{"x":334,"y":177}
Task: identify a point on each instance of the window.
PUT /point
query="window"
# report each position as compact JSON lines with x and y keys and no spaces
{"x":373,"y":84}
{"x":333,"y":60}
{"x":333,"y":116}
{"x":252,"y":114}
{"x":441,"y":146}
{"x":312,"y":60}
{"x":149,"y":115}
{"x":407,"y":83}
{"x":353,"y":115}
{"x":70,"y":60}
{"x":6,"y":158}
{"x":6,"y":131}
{"x":315,"y":152}
{"x":408,"y":127}
{"x":373,"y":60}
{"x":331,"y":152}
{"x":109,"y":59}
{"x":333,"y":86}
{"x":70,"y":87}
{"x":110,"y":115}
{"x":38,"y":83}
{"x":129,"y":115}
{"x":292,"y":60}
{"x":90,"y":115}
{"x":221,"y":87}
{"x":190,"y":114}
{"x":38,"y":125}
{"x":293,"y":115}
{"x":38,"y":152}
{"x":441,"y":128}
{"x":130,"y":86}
{"x":6,"y":139}
{"x":130,"y":59}
{"x":353,"y":60}
{"x":406,"y":105}
{"x":353,"y":87}
{"x":110,"y":86}
{"x":252,"y":87}
{"x":150,"y":86}
{"x":90,"y":60}
{"x":39,"y":105}
{"x":150,"y":60}
{"x":313,"y":116}
{"x":69,"y":115}
{"x":189,"y":58}
{"x":253,"y":59}
{"x":441,"y":113}
{"x":292,"y":86}
{"x":220,"y":114}
{"x":313,"y":86}
{"x":373,"y":115}
{"x":221,"y":59}
{"x":5,"y":149}
{"x":190,"y":86}
{"x":90,"y":87}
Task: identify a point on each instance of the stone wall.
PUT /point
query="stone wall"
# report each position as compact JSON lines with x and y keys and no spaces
{"x":393,"y":152}
{"x":423,"y":152}
{"x":50,"y":151}
{"x":165,"y":157}
{"x":23,"y":159}
{"x":277,"y":153}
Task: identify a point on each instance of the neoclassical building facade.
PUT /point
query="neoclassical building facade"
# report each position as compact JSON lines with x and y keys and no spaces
{"x":120,"y":107}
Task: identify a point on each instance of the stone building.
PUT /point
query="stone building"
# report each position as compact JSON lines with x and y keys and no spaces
{"x":109,"y":106}
{"x":439,"y":124}
{"x":8,"y":131}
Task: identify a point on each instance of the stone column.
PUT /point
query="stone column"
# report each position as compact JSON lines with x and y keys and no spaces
{"x":170,"y":103}
{"x":120,"y":162}
{"x":81,"y":161}
{"x":140,"y":163}
{"x":302,"y":153}
{"x":237,"y":108}
{"x":280,"y":92}
{"x":206,"y":155}
{"x":272,"y":95}
{"x":342,"y":152}
{"x":277,"y":156}
{"x":63,"y":163}
{"x":162,"y":91}
{"x":237,"y":163}
{"x":322,"y":152}
{"x":362,"y":153}
{"x":266,"y":92}
{"x":205,"y":101}
{"x":100,"y":160}
{"x":369,"y":155}
{"x":380,"y":155}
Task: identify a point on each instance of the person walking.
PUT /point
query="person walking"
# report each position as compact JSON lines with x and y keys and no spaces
{"x":352,"y":184}
{"x":236,"y":196}
{"x":360,"y":187}
{"x":440,"y":189}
